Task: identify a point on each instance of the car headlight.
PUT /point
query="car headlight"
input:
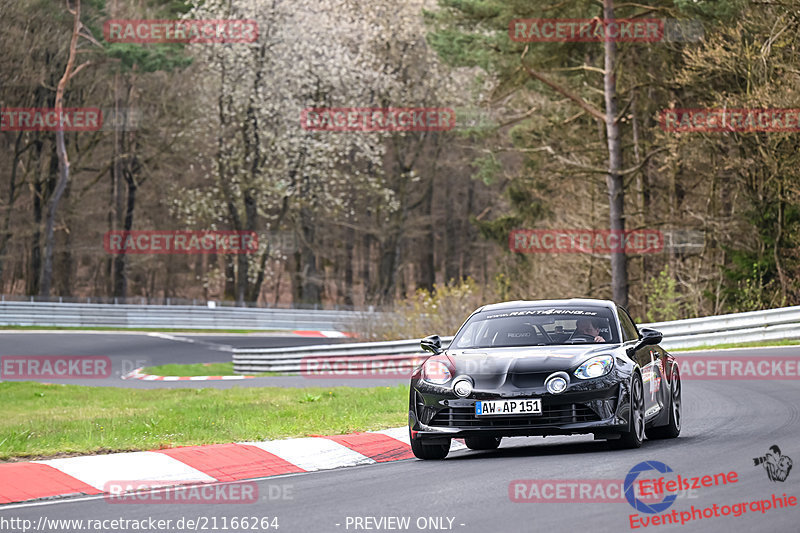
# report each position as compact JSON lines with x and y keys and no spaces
{"x":436,"y":372}
{"x":595,"y":367}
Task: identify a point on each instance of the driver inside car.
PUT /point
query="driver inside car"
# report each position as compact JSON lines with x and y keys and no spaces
{"x":586,"y":327}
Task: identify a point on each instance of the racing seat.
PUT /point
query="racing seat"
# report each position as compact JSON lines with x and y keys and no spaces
{"x":516,"y":335}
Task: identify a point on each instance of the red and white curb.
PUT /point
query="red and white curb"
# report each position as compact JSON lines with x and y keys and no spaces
{"x":328,"y":333}
{"x":212,"y":463}
{"x":138,"y":374}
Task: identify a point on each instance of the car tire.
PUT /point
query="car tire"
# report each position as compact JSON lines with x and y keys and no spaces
{"x":429,"y":451}
{"x":673,"y":428}
{"x":633,"y":437}
{"x":482,"y":443}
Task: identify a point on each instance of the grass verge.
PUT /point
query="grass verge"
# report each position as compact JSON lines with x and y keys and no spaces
{"x":199,"y":369}
{"x":754,"y":344}
{"x":56,"y":420}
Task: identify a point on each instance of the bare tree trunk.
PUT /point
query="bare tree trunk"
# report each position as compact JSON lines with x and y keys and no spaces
{"x":427,"y":269}
{"x":230,"y":278}
{"x":426,"y":274}
{"x":778,"y":240}
{"x":467,"y":233}
{"x":387,"y":268}
{"x":121,"y":260}
{"x":40,"y":189}
{"x":5,"y":236}
{"x":350,"y":237}
{"x":310,"y":276}
{"x":34,"y":270}
{"x":63,"y":260}
{"x":643,"y":187}
{"x":255,"y":288}
{"x":119,"y":281}
{"x":616,"y":192}
{"x":242,"y":261}
{"x":366,"y":261}
{"x":61,"y":147}
{"x":451,"y":230}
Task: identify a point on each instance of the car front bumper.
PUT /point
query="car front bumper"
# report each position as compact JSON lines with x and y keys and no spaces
{"x":602,"y":408}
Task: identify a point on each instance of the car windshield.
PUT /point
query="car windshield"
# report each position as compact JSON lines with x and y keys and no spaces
{"x":538,"y":326}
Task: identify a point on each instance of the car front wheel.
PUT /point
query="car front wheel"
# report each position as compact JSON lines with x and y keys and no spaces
{"x":429,"y":451}
{"x":482,"y":443}
{"x":633,"y":437}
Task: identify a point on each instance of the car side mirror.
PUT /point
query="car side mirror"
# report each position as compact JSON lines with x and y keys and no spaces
{"x":650,"y":337}
{"x":432,"y":344}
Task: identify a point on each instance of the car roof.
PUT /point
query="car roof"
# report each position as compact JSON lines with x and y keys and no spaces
{"x":573,"y":302}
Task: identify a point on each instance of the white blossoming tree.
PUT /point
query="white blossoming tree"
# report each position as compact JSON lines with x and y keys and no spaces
{"x":268,"y":173}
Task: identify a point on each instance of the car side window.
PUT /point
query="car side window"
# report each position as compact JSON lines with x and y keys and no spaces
{"x":466,"y":337}
{"x":629,"y":331}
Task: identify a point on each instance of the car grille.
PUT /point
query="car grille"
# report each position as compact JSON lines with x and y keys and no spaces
{"x":554,"y":415}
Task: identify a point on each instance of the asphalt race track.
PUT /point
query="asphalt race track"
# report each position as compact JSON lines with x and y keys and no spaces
{"x":128,"y":351}
{"x":726,"y":424}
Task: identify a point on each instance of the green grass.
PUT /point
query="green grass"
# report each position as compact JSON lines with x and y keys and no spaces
{"x":48,"y":420}
{"x":754,"y":344}
{"x":199,"y":369}
{"x":154,"y":330}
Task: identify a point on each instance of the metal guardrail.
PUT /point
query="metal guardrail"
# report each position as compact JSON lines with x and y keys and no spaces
{"x":773,"y":324}
{"x":173,"y":316}
{"x":247,"y":360}
{"x":171,"y":301}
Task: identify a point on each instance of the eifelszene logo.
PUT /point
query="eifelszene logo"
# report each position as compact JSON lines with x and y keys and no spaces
{"x":637,"y":503}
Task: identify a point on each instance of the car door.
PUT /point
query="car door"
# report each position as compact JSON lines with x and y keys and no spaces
{"x":649,"y":359}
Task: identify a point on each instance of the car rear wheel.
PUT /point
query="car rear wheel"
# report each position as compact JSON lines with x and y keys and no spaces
{"x":429,"y":451}
{"x":635,"y":435}
{"x":482,"y":443}
{"x":673,"y":428}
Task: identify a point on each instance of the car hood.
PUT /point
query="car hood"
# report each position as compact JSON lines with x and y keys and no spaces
{"x":494,"y":362}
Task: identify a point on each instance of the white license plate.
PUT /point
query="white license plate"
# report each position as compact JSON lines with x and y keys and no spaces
{"x":529,"y":406}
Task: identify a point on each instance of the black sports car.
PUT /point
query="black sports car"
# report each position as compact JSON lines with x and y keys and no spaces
{"x":557,"y":367}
